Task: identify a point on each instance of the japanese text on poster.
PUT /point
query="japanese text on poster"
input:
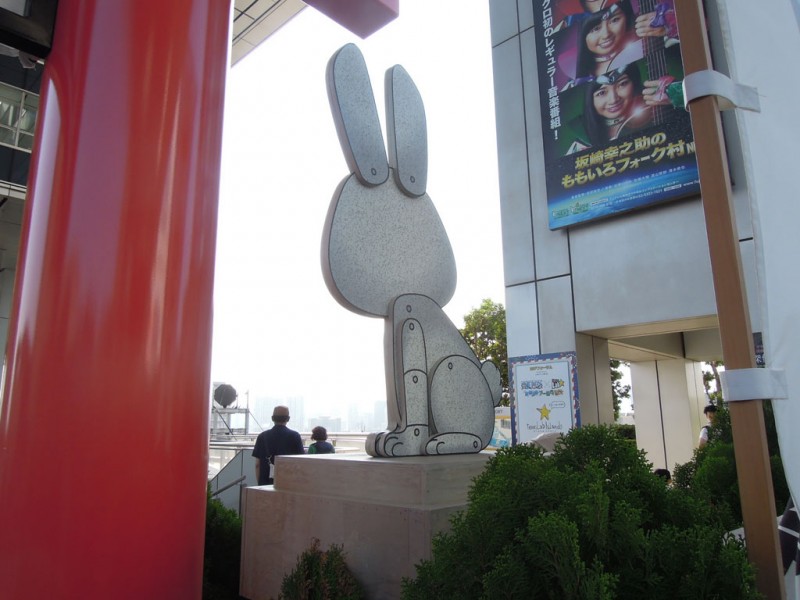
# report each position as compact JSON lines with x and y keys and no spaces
{"x":616,"y":136}
{"x":545,"y":395}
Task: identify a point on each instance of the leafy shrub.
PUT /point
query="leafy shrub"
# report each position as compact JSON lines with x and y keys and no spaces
{"x":222,"y":554}
{"x":321,"y":576}
{"x":711,"y":473}
{"x":550,"y":543}
{"x":624,"y":431}
{"x":589,"y":521}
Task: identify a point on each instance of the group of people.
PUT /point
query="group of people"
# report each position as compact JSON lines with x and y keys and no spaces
{"x":610,"y":42}
{"x":280,"y":440}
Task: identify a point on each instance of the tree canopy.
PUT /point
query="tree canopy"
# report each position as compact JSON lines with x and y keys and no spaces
{"x":485,"y":332}
{"x":618,"y":389}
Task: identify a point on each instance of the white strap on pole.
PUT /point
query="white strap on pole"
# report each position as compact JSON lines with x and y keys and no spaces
{"x":753,"y":384}
{"x":713,"y":83}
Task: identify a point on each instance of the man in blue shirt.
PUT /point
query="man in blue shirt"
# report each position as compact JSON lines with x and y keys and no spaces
{"x":275,"y":442}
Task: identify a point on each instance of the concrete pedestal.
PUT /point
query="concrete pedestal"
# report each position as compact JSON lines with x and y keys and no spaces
{"x":384,"y":513}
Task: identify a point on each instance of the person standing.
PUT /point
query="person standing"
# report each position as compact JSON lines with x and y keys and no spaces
{"x":710,"y":412}
{"x":277,"y":441}
{"x":320,"y":446}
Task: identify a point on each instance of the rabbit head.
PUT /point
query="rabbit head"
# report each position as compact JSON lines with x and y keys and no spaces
{"x":383,"y":236}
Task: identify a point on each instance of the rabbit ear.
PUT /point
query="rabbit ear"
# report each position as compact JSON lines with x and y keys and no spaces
{"x":356,"y":116}
{"x":407,"y":132}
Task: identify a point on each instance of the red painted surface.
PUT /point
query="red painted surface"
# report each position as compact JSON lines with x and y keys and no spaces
{"x":104,"y":422}
{"x":362,"y":17}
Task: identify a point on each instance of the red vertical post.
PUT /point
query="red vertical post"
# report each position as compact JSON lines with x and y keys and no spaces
{"x":104,"y":418}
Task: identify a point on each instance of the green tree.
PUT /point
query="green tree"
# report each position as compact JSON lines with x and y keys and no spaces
{"x":711,"y":473}
{"x":618,"y":390}
{"x":485,"y":332}
{"x":712,"y":375}
{"x":321,"y":575}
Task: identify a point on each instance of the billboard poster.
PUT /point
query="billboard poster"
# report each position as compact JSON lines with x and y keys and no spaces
{"x":615,"y":134}
{"x":544,"y":392}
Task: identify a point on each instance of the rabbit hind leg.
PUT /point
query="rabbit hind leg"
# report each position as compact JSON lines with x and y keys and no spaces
{"x":454,"y":443}
{"x":407,"y":439}
{"x":462,"y":407}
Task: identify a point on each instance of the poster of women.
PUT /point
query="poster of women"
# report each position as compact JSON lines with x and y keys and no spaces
{"x":615,"y":132}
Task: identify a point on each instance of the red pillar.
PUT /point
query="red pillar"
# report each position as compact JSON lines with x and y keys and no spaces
{"x":104,"y":419}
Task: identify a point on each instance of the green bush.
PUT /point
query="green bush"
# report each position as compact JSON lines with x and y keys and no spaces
{"x":223,"y":550}
{"x":711,"y":473}
{"x":589,"y":521}
{"x":321,"y":575}
{"x":625,"y":431}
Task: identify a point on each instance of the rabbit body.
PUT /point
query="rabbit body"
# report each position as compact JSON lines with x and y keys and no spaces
{"x":379,"y":242}
{"x":385,"y":253}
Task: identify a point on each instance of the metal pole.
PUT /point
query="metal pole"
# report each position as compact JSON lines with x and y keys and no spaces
{"x":747,"y":418}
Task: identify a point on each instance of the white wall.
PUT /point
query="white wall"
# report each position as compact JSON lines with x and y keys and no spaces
{"x":645,"y":275}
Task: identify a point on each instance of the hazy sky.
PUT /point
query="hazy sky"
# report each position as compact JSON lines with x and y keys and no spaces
{"x":277,"y":330}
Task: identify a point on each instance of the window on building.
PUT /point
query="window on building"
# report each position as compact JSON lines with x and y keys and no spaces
{"x":18,"y":110}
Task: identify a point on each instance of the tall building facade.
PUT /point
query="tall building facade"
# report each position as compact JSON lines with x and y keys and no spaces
{"x":636,"y":286}
{"x":19,"y":106}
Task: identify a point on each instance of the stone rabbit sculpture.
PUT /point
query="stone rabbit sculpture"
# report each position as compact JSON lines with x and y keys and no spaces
{"x":385,"y":254}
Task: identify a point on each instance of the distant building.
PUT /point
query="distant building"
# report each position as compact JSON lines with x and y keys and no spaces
{"x":297,"y":410}
{"x":261,"y":411}
{"x":332,"y":424}
{"x":19,"y":106}
{"x":379,"y":417}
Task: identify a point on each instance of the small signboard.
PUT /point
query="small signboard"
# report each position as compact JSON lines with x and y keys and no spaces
{"x":544,"y":395}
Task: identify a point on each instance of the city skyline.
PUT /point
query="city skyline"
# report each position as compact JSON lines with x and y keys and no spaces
{"x":351,"y":419}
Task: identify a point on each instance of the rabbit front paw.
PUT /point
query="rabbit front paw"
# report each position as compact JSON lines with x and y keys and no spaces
{"x":400,"y":442}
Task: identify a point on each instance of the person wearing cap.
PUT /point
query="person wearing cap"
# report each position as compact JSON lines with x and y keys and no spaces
{"x":277,"y":441}
{"x":710,"y":412}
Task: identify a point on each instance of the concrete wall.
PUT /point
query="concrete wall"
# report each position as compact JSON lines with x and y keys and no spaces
{"x":639,"y":278}
{"x":537,"y":268}
{"x":669,"y":407}
{"x":383,"y":512}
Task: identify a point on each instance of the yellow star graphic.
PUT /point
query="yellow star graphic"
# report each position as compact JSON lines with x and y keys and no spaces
{"x":544,"y":412}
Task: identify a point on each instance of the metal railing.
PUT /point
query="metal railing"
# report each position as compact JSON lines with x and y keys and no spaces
{"x":230,"y":463}
{"x":229,"y":486}
{"x":343,"y":441}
